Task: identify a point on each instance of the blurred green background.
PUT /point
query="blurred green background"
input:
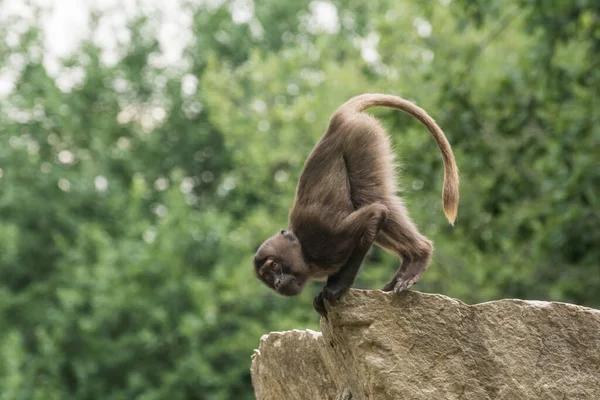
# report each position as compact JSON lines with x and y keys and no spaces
{"x":140,"y":170}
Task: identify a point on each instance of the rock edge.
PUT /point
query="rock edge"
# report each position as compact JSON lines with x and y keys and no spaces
{"x":377,"y":345}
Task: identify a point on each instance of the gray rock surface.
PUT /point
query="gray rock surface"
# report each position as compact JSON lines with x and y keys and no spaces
{"x":376,"y":345}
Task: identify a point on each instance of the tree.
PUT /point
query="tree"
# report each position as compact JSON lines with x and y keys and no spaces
{"x":133,"y":193}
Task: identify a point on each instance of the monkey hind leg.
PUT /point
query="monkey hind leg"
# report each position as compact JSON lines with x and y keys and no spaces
{"x":371,"y":170}
{"x":369,"y":161}
{"x":400,"y":235}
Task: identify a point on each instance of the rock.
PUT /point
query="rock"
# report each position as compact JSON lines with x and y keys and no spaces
{"x":379,"y":345}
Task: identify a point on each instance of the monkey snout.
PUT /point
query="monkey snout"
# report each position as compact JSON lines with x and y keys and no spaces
{"x":286,"y":286}
{"x":281,"y":281}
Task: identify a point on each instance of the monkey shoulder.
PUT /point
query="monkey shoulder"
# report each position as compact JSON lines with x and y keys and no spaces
{"x":308,"y":221}
{"x":322,"y":243}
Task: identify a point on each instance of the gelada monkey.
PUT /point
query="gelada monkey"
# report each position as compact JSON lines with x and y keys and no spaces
{"x":346,"y":201}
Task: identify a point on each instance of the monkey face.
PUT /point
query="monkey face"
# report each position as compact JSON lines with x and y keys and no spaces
{"x":279,"y":264}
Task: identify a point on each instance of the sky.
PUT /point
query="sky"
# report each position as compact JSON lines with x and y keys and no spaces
{"x":66,"y":22}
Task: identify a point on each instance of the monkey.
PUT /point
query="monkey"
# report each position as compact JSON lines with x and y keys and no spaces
{"x":346,"y":201}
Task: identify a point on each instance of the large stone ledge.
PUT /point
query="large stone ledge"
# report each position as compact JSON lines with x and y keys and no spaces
{"x":376,"y":345}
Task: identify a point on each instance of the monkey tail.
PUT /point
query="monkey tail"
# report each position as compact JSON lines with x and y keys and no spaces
{"x":450,"y":191}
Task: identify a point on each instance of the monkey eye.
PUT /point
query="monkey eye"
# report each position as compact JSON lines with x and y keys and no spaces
{"x":268,"y":267}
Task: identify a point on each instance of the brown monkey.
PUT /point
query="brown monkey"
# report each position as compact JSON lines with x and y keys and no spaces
{"x":346,"y":201}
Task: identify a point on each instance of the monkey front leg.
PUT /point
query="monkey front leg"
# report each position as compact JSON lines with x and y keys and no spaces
{"x":339,"y":283}
{"x":365,"y":224}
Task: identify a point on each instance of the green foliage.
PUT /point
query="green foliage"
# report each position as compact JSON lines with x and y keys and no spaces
{"x":132,"y":199}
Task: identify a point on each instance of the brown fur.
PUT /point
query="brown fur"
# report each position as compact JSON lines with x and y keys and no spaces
{"x":346,"y":201}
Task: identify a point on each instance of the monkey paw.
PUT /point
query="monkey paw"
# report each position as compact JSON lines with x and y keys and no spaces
{"x":404,"y":284}
{"x":319,"y":305}
{"x":333,"y":293}
{"x":330,"y":293}
{"x":389,"y":287}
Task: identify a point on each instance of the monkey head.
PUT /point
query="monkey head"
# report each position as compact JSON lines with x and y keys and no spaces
{"x":280,"y":265}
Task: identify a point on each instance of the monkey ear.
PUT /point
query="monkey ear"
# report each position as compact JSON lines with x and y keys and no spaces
{"x":288,"y":235}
